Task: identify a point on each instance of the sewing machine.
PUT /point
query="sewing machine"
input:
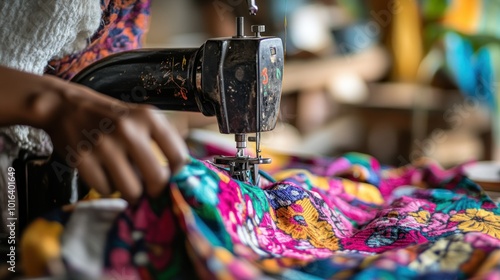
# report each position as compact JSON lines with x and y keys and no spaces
{"x":237,"y":79}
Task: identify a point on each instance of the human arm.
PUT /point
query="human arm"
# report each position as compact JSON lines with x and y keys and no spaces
{"x":108,"y":141}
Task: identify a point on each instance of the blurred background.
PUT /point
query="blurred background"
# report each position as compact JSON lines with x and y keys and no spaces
{"x":397,"y":79}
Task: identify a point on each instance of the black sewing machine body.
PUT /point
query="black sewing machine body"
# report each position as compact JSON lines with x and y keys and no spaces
{"x":236,"y":79}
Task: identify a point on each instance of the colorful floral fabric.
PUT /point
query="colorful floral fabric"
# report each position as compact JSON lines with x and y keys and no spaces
{"x":349,"y":219}
{"x":123,"y":25}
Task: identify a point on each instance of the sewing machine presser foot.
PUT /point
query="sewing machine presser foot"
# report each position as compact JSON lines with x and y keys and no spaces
{"x":243,"y":167}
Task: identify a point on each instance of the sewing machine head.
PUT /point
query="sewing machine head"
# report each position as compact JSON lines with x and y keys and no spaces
{"x":245,"y":93}
{"x":238,"y":79}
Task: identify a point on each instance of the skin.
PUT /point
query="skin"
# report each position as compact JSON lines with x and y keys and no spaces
{"x":121,"y":155}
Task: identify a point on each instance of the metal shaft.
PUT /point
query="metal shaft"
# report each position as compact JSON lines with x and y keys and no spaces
{"x":240,"y":27}
{"x":241,"y":144}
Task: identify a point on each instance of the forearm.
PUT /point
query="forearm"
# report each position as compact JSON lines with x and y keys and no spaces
{"x":27,"y":99}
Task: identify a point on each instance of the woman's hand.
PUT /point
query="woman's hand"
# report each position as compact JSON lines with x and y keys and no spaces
{"x":110,"y":142}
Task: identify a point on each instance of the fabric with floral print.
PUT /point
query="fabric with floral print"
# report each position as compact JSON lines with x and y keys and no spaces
{"x":350,"y":218}
{"x":309,"y":218}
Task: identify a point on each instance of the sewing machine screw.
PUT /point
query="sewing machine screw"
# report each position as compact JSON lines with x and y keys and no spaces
{"x":258,"y":29}
{"x":239,"y":74}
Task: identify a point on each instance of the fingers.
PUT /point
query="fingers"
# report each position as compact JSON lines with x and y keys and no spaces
{"x":143,"y":154}
{"x":155,"y":175}
{"x":170,"y":142}
{"x":120,"y":171}
{"x":136,"y":133}
{"x":120,"y":144}
{"x":93,"y":174}
{"x":108,"y":169}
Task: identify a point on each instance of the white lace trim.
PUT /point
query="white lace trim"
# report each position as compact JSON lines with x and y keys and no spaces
{"x":35,"y":31}
{"x":33,"y":140}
